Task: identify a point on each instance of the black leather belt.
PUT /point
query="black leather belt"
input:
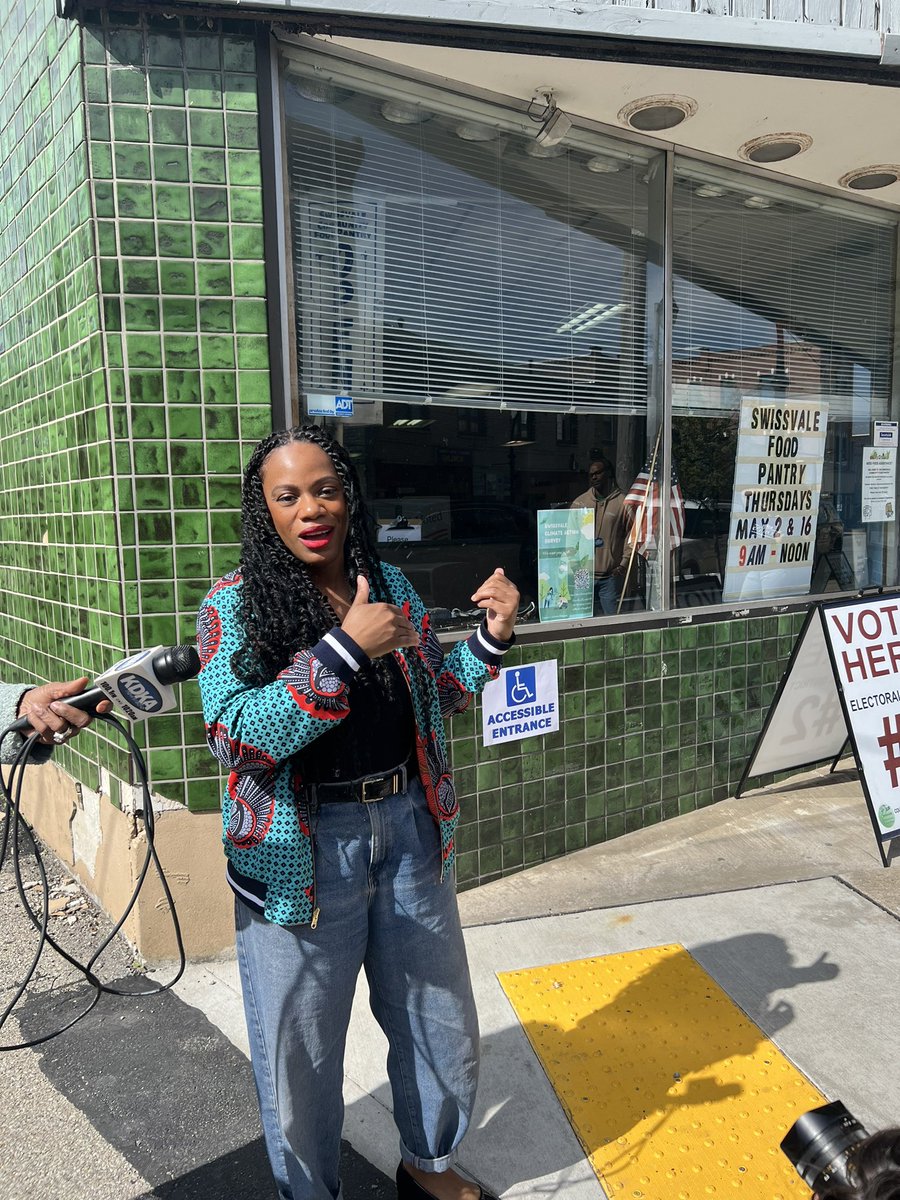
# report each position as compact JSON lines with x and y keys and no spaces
{"x":364,"y":791}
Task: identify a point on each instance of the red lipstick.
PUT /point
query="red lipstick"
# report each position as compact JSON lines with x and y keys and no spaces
{"x":316,"y":537}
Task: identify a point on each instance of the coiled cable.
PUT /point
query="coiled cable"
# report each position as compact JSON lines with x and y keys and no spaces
{"x":15,"y":824}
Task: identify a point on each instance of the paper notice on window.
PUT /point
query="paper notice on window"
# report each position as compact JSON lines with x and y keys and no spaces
{"x":879,"y":483}
{"x":775,"y":503}
{"x":565,"y":563}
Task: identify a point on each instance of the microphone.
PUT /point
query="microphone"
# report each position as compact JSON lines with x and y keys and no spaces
{"x":140,"y":686}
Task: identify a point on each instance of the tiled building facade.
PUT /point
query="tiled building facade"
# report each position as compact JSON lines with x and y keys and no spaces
{"x":135,"y":377}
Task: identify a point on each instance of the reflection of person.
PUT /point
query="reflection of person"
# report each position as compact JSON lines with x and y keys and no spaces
{"x":607,"y":500}
{"x":47,"y":713}
{"x":324,"y":690}
{"x":873,"y":1169}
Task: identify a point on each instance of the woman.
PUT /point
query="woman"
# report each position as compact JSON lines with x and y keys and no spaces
{"x":324,"y":690}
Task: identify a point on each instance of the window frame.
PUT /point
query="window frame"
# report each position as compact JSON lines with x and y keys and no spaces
{"x":287,"y":47}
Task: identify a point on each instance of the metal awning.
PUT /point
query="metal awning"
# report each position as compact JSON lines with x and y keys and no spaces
{"x":815,"y":27}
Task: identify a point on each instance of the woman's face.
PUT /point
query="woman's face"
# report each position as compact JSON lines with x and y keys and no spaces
{"x":307,"y":503}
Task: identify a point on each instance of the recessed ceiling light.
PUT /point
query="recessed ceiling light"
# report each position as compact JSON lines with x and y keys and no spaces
{"x":654,"y":113}
{"x":320,"y":90}
{"x":537,"y":150}
{"x":403,"y":114}
{"x":867,"y":179}
{"x":758,"y":202}
{"x":469,"y":131}
{"x":603,"y":166}
{"x":711,"y":191}
{"x":775,"y":147}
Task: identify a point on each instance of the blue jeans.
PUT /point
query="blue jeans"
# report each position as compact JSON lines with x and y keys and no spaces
{"x":381,"y":907}
{"x":606,"y":594}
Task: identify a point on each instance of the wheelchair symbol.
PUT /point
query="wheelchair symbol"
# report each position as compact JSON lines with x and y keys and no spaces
{"x":518,"y":690}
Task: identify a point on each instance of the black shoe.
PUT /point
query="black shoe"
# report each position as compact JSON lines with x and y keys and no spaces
{"x":410,"y":1189}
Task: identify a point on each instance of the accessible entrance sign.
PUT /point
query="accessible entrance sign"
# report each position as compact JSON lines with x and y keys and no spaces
{"x":842,"y":683}
{"x":521,"y":702}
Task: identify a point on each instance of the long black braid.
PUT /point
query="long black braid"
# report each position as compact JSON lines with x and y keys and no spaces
{"x":281,"y":609}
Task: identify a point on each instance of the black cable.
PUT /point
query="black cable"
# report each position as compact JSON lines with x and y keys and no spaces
{"x":12,"y":796}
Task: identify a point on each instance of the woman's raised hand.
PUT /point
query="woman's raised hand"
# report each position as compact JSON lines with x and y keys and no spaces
{"x":377,"y":628}
{"x":500,"y":597}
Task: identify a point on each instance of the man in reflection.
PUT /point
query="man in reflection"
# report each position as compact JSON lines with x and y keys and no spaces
{"x":607,"y":500}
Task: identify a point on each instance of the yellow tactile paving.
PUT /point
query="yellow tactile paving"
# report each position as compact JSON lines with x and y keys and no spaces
{"x":673,"y":1092}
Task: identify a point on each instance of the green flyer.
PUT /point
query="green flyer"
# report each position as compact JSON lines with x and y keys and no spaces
{"x":565,"y":563}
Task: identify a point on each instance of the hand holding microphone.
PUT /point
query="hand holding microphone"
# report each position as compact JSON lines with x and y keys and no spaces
{"x":140,"y":686}
{"x":44,"y":710}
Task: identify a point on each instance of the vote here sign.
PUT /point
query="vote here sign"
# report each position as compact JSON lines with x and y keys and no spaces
{"x":521,"y":702}
{"x":864,"y":640}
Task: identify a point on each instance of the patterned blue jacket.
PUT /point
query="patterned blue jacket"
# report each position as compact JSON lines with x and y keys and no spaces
{"x":256,"y":732}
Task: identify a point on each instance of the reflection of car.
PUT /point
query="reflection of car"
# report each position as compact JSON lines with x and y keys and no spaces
{"x":829,"y":529}
{"x":705,"y":539}
{"x":471,"y":538}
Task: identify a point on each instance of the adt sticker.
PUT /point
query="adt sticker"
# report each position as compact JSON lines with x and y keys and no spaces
{"x":329,"y":406}
{"x":320,"y":406}
{"x":521,"y":702}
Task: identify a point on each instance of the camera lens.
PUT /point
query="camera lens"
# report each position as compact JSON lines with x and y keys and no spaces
{"x":818,"y":1144}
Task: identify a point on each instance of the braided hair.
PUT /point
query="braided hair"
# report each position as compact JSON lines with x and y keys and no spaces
{"x":281,"y":609}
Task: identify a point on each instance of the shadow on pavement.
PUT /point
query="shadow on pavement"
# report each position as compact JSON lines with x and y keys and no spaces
{"x":168,"y":1092}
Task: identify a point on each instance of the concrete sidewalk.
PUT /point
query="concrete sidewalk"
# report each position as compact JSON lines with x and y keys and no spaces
{"x":780,"y":896}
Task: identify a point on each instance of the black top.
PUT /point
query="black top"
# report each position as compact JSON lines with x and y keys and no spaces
{"x":376,"y":735}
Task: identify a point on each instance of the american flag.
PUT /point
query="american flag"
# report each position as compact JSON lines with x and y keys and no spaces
{"x":642,"y":504}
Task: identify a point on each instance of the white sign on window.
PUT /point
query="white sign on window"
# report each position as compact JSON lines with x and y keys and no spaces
{"x":775,"y":503}
{"x":879,"y":478}
{"x":521,"y":702}
{"x":887,"y":433}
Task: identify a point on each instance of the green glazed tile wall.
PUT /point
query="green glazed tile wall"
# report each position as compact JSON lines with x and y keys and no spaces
{"x":175,"y":168}
{"x":654,"y":723}
{"x":134,"y":376}
{"x":61,"y":601}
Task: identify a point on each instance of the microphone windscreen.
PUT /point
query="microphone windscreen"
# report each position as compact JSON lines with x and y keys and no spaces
{"x":175,"y":664}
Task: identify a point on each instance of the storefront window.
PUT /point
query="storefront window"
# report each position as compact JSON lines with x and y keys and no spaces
{"x":487,"y":303}
{"x":479,"y":316}
{"x":783,"y":301}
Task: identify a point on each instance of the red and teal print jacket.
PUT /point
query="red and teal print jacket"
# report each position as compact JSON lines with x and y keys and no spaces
{"x":257,"y":732}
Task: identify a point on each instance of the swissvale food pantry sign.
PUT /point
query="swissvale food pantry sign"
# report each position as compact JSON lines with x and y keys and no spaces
{"x":775,"y":504}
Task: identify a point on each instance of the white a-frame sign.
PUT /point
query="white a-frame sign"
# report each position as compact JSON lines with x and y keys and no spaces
{"x":842,"y":684}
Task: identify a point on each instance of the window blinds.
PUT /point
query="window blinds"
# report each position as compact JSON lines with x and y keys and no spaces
{"x":779,"y":292}
{"x":442,"y":255}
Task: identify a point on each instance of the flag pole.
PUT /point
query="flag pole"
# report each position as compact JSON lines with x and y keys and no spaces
{"x":639,"y":517}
